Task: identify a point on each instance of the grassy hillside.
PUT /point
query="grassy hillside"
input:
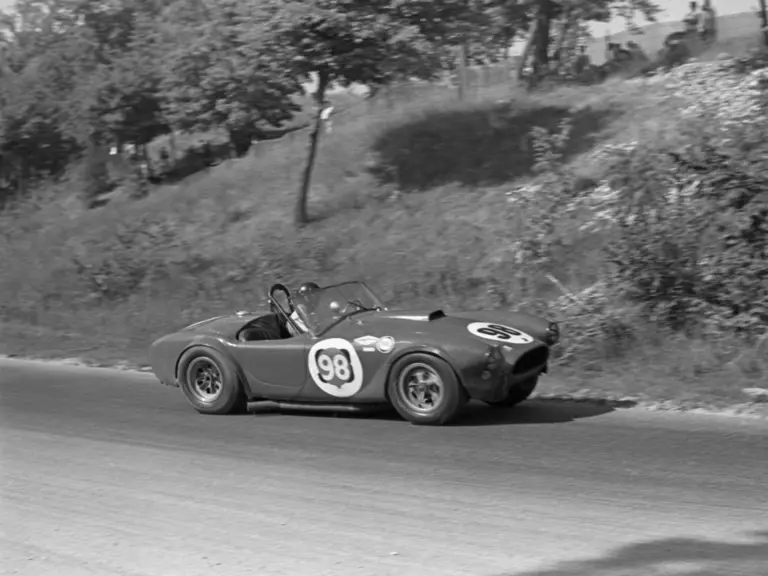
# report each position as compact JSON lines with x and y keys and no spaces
{"x":427,"y":202}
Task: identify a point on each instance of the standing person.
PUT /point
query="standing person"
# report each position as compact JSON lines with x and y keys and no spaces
{"x":582,"y":61}
{"x":708,"y":23}
{"x":638,"y":54}
{"x":691,"y":20}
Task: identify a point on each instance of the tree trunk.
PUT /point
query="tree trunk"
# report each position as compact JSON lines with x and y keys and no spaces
{"x":301,"y":216}
{"x":532,"y":32}
{"x":461,"y":71}
{"x":239,"y":141}
{"x":509,"y":38}
{"x":542,"y":37}
{"x":564,"y":29}
{"x":147,"y":161}
{"x":96,"y":172}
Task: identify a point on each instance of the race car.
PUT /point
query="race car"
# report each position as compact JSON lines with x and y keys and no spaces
{"x":340,"y":347}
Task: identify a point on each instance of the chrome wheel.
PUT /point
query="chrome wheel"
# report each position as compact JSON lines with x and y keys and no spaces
{"x":421,"y":388}
{"x":204,"y":379}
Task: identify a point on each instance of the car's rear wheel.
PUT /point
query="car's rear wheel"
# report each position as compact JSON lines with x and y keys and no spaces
{"x":210,"y":382}
{"x":425,"y":390}
{"x":519,"y":393}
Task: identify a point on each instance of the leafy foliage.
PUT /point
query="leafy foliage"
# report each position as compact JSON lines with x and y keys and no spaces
{"x":349,"y":42}
{"x":219,"y":70}
{"x":697,"y":256}
{"x":683,"y":228}
{"x":81,"y":75}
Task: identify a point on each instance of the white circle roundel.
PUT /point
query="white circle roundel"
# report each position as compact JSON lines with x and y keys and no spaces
{"x":336,"y":368}
{"x":499,"y":333}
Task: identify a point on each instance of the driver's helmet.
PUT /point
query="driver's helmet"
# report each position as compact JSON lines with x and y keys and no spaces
{"x":307,"y":288}
{"x":309,"y":292}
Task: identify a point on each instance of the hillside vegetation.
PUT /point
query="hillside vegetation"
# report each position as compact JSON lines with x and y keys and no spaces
{"x":634,"y":212}
{"x":637,"y":217}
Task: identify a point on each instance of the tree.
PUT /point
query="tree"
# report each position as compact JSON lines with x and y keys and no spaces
{"x":39,"y":63}
{"x":218,"y":71}
{"x":78,"y":75}
{"x":507,"y":18}
{"x":116,"y":98}
{"x":370,"y":42}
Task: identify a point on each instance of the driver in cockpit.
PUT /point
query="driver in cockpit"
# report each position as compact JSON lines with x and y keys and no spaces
{"x":310,"y":293}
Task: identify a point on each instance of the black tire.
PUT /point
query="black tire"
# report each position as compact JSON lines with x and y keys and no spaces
{"x":519,"y":393}
{"x":229,"y":396}
{"x":436,"y":374}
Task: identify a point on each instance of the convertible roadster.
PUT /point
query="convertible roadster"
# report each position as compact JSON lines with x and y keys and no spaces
{"x":341,"y":348}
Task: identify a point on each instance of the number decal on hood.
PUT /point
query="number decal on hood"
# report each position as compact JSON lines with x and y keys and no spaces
{"x":499,"y":333}
{"x":335,"y":367}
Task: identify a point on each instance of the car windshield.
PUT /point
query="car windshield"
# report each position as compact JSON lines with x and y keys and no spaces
{"x":327,"y":306}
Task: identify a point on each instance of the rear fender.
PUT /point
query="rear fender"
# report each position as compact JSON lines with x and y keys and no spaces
{"x":423,"y":349}
{"x":222,"y":348}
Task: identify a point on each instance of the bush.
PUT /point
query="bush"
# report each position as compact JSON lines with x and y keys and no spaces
{"x":681,"y":223}
{"x":696,"y":252}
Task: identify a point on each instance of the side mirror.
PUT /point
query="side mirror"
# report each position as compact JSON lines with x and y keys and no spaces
{"x":335,"y":307}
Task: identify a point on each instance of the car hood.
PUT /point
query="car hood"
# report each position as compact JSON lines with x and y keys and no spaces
{"x":449,"y":328}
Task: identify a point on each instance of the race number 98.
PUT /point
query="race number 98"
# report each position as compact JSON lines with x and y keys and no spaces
{"x":335,"y":367}
{"x":499,"y":333}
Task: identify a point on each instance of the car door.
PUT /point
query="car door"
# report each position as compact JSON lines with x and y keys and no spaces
{"x":275,"y":369}
{"x":340,"y":365}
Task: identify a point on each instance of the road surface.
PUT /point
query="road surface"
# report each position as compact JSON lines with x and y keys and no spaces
{"x":108,"y":473}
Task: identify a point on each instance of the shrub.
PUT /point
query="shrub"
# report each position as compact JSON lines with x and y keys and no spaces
{"x":696,"y":252}
{"x":596,"y":324}
{"x":681,"y":223}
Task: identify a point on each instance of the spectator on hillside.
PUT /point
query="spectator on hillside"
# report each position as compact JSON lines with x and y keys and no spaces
{"x":638,"y":54}
{"x":622,"y":54}
{"x":707,"y":25}
{"x":617,"y":54}
{"x":582,"y":61}
{"x":609,"y":47}
{"x":691,"y":20}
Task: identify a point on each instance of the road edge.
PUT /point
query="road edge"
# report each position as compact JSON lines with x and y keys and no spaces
{"x":751,"y":410}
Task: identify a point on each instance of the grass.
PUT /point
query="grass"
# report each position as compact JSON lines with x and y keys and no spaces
{"x":412,"y":199}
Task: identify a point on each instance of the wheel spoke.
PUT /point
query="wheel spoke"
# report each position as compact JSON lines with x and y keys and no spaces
{"x":421,"y":387}
{"x":205,"y":379}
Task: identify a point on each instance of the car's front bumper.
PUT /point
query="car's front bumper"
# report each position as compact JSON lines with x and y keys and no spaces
{"x":494,"y":384}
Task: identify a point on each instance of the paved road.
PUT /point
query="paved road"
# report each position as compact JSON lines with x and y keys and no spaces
{"x":105,"y":473}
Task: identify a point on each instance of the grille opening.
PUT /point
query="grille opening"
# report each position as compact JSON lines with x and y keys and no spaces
{"x":531,"y":359}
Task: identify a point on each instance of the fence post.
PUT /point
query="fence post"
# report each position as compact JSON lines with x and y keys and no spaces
{"x":461,"y":71}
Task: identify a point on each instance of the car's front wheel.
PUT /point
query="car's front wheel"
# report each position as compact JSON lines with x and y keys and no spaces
{"x":210,"y":382}
{"x":425,"y":390}
{"x":518,"y":393}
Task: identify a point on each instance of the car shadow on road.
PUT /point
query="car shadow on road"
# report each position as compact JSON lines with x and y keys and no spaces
{"x":530,"y":412}
{"x":684,"y":556}
{"x":478,"y":413}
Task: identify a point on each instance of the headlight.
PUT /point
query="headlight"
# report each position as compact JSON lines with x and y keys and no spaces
{"x":553,"y":333}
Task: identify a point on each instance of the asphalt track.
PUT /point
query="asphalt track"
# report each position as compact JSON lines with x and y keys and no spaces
{"x":105,"y":473}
